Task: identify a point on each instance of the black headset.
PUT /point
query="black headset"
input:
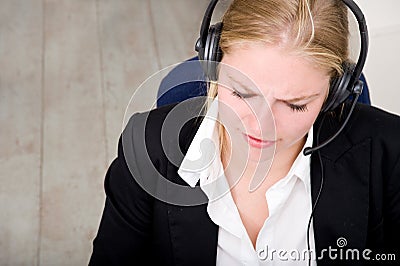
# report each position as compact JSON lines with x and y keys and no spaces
{"x":341,"y":87}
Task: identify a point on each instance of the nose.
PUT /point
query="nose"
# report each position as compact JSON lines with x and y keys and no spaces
{"x":260,"y":121}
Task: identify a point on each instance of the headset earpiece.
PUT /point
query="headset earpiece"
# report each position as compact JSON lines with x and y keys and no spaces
{"x":211,"y":54}
{"x":340,"y":88}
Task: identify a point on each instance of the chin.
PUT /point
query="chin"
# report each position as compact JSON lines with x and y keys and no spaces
{"x":264,"y":155}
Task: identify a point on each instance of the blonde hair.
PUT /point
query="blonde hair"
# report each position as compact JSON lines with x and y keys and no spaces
{"x":314,"y":29}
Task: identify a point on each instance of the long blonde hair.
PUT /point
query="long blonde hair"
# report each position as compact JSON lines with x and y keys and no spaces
{"x":314,"y":29}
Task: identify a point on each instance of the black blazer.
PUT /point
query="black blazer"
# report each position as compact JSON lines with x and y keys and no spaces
{"x":360,"y":199}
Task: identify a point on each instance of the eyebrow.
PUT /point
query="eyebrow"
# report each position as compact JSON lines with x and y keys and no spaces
{"x":245,"y":87}
{"x":296,"y":99}
{"x":301,"y":98}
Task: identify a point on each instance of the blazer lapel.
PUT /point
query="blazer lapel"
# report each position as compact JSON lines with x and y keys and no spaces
{"x":194,"y":236}
{"x":340,"y":219}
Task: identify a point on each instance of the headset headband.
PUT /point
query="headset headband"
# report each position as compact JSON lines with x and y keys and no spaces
{"x":205,"y":25}
{"x":362,"y":26}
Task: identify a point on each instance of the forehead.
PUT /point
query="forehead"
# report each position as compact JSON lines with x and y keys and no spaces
{"x":272,"y":68}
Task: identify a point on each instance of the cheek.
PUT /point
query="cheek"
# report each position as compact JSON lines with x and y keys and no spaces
{"x":295,"y":125}
{"x":231,"y":108}
{"x":302,"y":124}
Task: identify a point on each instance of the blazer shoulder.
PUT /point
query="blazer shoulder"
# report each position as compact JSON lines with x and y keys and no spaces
{"x":379,"y":128}
{"x":155,"y":140}
{"x":176,"y":122}
{"x":373,"y":122}
{"x":367,"y":124}
{"x":376,"y":114}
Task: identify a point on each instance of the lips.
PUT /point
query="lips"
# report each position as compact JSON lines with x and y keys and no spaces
{"x":258,"y":143}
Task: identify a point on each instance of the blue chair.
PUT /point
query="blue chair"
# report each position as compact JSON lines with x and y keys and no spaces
{"x":187,"y":80}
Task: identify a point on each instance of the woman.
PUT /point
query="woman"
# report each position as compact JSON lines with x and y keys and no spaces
{"x":235,"y":187}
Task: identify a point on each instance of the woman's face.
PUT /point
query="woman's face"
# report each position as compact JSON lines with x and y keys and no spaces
{"x":268,"y":99}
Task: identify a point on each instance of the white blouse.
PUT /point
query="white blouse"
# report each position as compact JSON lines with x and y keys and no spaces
{"x":282,"y":239}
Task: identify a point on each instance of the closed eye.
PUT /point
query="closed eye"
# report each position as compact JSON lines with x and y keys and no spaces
{"x":237,"y":94}
{"x":242,"y":95}
{"x":298,"y":108}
